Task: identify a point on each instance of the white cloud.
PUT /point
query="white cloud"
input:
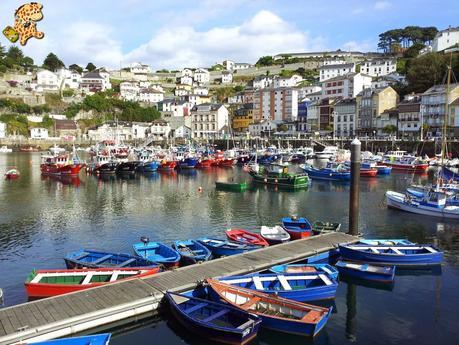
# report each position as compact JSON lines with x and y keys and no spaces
{"x":363,"y":46}
{"x":382,"y":5}
{"x":358,"y":10}
{"x":263,"y":34}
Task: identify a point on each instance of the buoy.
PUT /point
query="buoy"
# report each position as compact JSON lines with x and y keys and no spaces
{"x":200,"y":189}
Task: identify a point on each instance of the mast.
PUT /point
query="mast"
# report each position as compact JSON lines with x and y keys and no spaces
{"x":446,"y":120}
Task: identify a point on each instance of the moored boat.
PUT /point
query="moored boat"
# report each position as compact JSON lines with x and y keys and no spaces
{"x":306,"y":268}
{"x":46,"y":283}
{"x":204,"y":163}
{"x":167,"y":165}
{"x":319,"y":227}
{"x":397,"y":255}
{"x":380,"y":274}
{"x":386,"y":242}
{"x":277,"y":313}
{"x":129,"y":167}
{"x":368,"y":172}
{"x":407,"y":164}
{"x":157,"y":252}
{"x":231,"y":186}
{"x":278,"y":175}
{"x":297,"y":227}
{"x":220,"y":247}
{"x":246,"y":237}
{"x":188,"y":163}
{"x":383,"y":169}
{"x":12,"y":174}
{"x":214,"y":321}
{"x":98,"y":339}
{"x":329,"y":174}
{"x":191,"y":251}
{"x":275,"y":234}
{"x":87,"y":258}
{"x":61,"y":165}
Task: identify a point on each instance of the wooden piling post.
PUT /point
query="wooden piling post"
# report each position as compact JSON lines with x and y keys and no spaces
{"x":355,"y":188}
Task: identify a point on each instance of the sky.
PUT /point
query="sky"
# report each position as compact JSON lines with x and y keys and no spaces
{"x":174,"y":34}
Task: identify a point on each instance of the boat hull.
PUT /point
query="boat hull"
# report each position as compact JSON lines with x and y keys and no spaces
{"x":99,"y":339}
{"x":61,"y":170}
{"x":290,"y":181}
{"x":416,"y":168}
{"x":386,"y":278}
{"x":231,"y":186}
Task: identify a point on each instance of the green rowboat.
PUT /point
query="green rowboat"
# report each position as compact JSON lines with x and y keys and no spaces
{"x":281,"y":179}
{"x":231,"y":186}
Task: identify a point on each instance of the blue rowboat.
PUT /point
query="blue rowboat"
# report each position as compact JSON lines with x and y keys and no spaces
{"x":399,"y":255}
{"x":380,"y":274}
{"x":221,"y":247}
{"x":98,"y":339}
{"x":157,"y":252}
{"x":297,"y":287}
{"x":215,"y":321}
{"x":386,"y":242}
{"x":383,"y":170}
{"x":191,"y":251}
{"x":297,"y":227}
{"x":188,"y":163}
{"x":327,"y":269}
{"x":276,"y":313}
{"x":86,"y":258}
{"x":329,"y":174}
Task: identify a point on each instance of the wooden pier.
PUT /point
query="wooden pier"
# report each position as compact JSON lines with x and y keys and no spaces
{"x":65,"y":315}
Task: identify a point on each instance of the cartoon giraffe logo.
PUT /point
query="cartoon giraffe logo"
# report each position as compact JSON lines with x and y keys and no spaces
{"x":25,"y":25}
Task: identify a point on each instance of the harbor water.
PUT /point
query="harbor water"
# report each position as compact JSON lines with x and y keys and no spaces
{"x":42,"y":219}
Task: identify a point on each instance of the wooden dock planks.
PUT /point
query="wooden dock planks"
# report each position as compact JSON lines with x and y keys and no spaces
{"x":60,"y":308}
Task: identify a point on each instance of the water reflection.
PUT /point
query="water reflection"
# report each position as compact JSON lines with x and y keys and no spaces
{"x":351,"y":313}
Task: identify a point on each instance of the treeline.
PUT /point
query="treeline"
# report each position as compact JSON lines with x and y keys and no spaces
{"x":18,"y":106}
{"x":392,"y":41}
{"x":13,"y":58}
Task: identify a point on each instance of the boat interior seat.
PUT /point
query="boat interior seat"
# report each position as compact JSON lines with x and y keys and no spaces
{"x":195,"y":307}
{"x":127,"y":262}
{"x":245,"y":324}
{"x":250,"y":302}
{"x":312,"y":316}
{"x":79,"y":257}
{"x":102,"y":259}
{"x":218,"y":244}
{"x":216,"y":315}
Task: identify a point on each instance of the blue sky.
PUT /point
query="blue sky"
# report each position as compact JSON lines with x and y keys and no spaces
{"x":178,"y":33}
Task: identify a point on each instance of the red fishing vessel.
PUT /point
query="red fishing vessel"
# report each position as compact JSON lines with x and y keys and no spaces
{"x":61,"y":165}
{"x":204,"y":163}
{"x":368,"y":172}
{"x":408,"y":164}
{"x":246,"y":237}
{"x":227,"y":162}
{"x":47,"y":283}
{"x":167,"y":165}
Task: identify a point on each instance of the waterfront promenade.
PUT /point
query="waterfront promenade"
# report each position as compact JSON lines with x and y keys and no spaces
{"x":77,"y":312}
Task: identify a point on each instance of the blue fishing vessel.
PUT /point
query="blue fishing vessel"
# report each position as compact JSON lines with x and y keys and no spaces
{"x":191,"y":251}
{"x":188,"y":163}
{"x":329,"y":174}
{"x":87,"y":258}
{"x":449,"y":175}
{"x":220,"y":247}
{"x":157,"y":252}
{"x":383,"y":169}
{"x":327,"y":269}
{"x":213,"y":320}
{"x":380,"y":274}
{"x":297,"y":227}
{"x":148,"y":166}
{"x":398,"y":255}
{"x":297,"y":287}
{"x":386,"y":242}
{"x":98,"y":339}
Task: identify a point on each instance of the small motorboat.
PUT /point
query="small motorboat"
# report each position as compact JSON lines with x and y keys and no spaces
{"x":12,"y":174}
{"x":300,"y":287}
{"x":383,"y":169}
{"x":246,"y":237}
{"x":276,"y":313}
{"x":5,"y":149}
{"x":306,"y":268}
{"x":275,"y":234}
{"x":191,"y":251}
{"x":380,"y":274}
{"x":85,"y":258}
{"x":46,"y":283}
{"x":215,"y":321}
{"x":231,"y":186}
{"x":220,"y":247}
{"x":328,"y":174}
{"x":325,"y":227}
{"x":396,"y":255}
{"x":297,"y":227}
{"x":371,"y":172}
{"x":98,"y":339}
{"x":157,"y":252}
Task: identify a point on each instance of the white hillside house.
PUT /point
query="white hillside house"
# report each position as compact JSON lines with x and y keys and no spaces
{"x":129,"y":90}
{"x":151,"y":96}
{"x":201,"y":76}
{"x":47,"y":81}
{"x":445,"y":39}
{"x":332,"y":71}
{"x":227,"y":77}
{"x":379,"y":67}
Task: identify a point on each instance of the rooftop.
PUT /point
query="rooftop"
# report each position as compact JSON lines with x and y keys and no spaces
{"x":343,"y":65}
{"x":65,"y":125}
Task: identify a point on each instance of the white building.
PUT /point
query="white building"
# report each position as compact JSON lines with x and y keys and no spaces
{"x":227,"y":77}
{"x":332,"y":71}
{"x":175,"y":108}
{"x":95,"y":81}
{"x":182,"y":132}
{"x":445,"y":39}
{"x":140,"y":130}
{"x":182,"y":90}
{"x":139,"y":68}
{"x":208,"y":120}
{"x":345,"y":118}
{"x":346,"y":86}
{"x":159,"y":129}
{"x":201,"y":91}
{"x":186,"y":80}
{"x":129,"y":90}
{"x":307,"y":90}
{"x":2,"y":130}
{"x":262,"y":128}
{"x":286,"y":82}
{"x":234,"y":66}
{"x":106,"y":78}
{"x":332,"y":61}
{"x":150,"y":96}
{"x":70,"y":79}
{"x":279,"y":104}
{"x":201,"y":76}
{"x":47,"y":81}
{"x":262,"y":82}
{"x":186,"y":72}
{"x":38,"y":133}
{"x":379,"y":67}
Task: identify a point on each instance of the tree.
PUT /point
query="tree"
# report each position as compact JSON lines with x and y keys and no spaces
{"x":52,"y":62}
{"x":425,"y":71}
{"x":76,"y":68}
{"x":223,"y":93}
{"x":15,"y":54}
{"x":238,"y":88}
{"x":265,"y":61}
{"x":2,"y":51}
{"x":90,"y":67}
{"x":390,"y":129}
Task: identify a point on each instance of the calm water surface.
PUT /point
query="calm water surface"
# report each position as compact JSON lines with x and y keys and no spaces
{"x":41,"y":219}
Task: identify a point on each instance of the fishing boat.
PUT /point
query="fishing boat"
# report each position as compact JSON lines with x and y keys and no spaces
{"x":191,"y":251}
{"x":327,"y":269}
{"x":231,"y":186}
{"x":188,"y":163}
{"x":398,"y":255}
{"x":205,"y":163}
{"x":276,"y":313}
{"x":215,"y":321}
{"x":226,"y":162}
{"x":148,"y":166}
{"x":432,"y":204}
{"x":368,"y":172}
{"x":450,"y":190}
{"x":300,"y":287}
{"x":61,"y":165}
{"x":327,"y":153}
{"x":275,"y":234}
{"x":380,"y":274}
{"x":85,"y":258}
{"x":127,"y":168}
{"x":297,"y":227}
{"x":157,"y":252}
{"x":12,"y":174}
{"x":167,"y":165}
{"x":107,"y":168}
{"x":46,"y":283}
{"x":386,"y":242}
{"x":383,"y":169}
{"x":220,"y":247}
{"x":328,"y":174}
{"x":246,"y":237}
{"x":278,"y":175}
{"x":407,"y":164}
{"x":319,"y":227}
{"x":98,"y":339}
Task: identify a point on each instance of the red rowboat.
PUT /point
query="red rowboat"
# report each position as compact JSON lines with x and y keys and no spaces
{"x":167,"y":165}
{"x":368,"y":172}
{"x":246,"y":237}
{"x":12,"y":174}
{"x":46,"y":283}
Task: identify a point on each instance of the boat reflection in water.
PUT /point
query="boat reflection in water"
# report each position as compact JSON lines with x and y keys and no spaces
{"x":351,"y":314}
{"x":65,"y":180}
